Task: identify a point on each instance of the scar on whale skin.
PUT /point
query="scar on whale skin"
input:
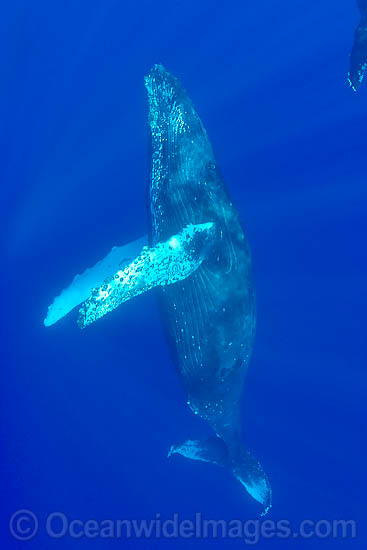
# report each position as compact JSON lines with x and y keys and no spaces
{"x":358,"y":56}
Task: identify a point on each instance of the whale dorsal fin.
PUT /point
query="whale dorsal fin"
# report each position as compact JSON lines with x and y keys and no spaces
{"x":166,"y":263}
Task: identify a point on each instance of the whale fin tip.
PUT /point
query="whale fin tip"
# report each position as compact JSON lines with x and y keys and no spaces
{"x":249,"y":472}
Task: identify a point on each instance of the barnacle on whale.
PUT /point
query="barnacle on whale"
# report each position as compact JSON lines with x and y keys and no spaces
{"x":164,"y":264}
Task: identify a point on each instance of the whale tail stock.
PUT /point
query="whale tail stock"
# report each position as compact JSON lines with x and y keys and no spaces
{"x":244,"y":466}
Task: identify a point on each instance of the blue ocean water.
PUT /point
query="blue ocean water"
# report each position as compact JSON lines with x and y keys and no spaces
{"x":87,"y":417}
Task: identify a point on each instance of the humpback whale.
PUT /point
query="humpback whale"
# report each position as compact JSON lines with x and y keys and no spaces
{"x":358,"y":56}
{"x":199,"y":261}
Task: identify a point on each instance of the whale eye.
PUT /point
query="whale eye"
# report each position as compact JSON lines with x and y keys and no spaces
{"x":211,"y":166}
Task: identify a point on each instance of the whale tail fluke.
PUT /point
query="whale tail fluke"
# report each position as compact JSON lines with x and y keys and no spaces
{"x":244,"y":466}
{"x":212,"y":450}
{"x":249,"y":472}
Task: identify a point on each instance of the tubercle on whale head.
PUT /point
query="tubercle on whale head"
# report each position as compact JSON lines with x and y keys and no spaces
{"x":162,"y":88}
{"x":170,"y":109}
{"x":182,"y":155}
{"x":158,"y":76}
{"x":169,"y":103}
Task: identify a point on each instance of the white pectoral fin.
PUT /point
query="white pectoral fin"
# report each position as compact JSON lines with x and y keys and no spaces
{"x":83,"y":284}
{"x":164,"y":264}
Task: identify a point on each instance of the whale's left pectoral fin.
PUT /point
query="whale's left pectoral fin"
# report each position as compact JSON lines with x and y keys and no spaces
{"x":243,"y":465}
{"x":164,"y":264}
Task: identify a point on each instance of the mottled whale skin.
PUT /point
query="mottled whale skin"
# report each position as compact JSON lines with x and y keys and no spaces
{"x":358,"y":56}
{"x":210,"y":316}
{"x":200,"y":263}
